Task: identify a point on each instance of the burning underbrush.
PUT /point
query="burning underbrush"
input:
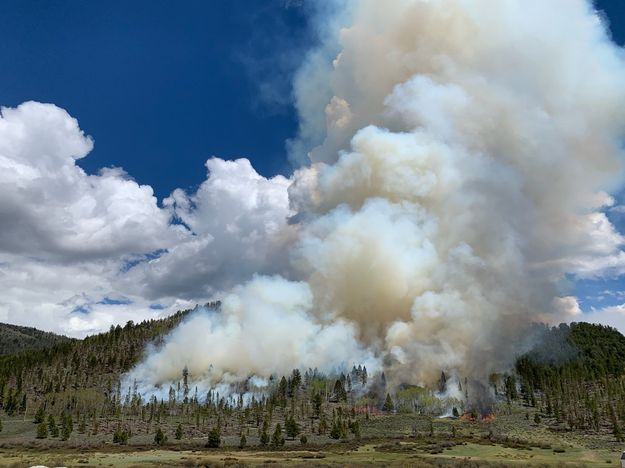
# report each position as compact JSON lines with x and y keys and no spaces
{"x":475,"y":416}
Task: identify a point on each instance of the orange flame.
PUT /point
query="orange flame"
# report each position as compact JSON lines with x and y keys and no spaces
{"x":485,"y":418}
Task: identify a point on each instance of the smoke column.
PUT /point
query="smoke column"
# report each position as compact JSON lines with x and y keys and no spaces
{"x":458,"y":155}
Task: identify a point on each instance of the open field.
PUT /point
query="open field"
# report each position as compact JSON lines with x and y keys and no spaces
{"x":387,"y":440}
{"x":389,"y":453}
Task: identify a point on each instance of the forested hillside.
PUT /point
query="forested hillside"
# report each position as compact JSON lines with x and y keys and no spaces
{"x":81,"y":370}
{"x":573,"y":380}
{"x":577,"y":375}
{"x":15,"y":339}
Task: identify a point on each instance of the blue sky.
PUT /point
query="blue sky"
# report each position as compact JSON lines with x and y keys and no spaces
{"x":162,"y":86}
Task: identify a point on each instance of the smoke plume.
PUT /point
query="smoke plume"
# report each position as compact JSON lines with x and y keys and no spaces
{"x":455,"y":176}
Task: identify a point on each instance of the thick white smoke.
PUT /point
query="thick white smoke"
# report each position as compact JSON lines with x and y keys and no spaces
{"x":263,"y":327}
{"x":467,"y":147}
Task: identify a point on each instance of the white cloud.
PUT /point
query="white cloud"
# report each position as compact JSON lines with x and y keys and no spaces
{"x":568,"y":310}
{"x":50,"y":207}
{"x":69,"y":239}
{"x":613,"y":316}
{"x":238,"y":221}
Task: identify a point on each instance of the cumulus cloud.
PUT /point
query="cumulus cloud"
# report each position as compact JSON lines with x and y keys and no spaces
{"x":70,"y":240}
{"x":51,"y":207}
{"x":238,"y":225}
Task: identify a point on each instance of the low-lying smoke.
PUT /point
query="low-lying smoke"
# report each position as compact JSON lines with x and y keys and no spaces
{"x":468,"y":147}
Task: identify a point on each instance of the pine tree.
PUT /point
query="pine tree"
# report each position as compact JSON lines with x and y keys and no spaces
{"x":40,"y":415}
{"x":242,"y":442}
{"x":179,"y":432}
{"x":185,"y":384}
{"x":335,"y":432}
{"x":160,"y":438}
{"x":388,"y":404}
{"x":214,"y":438}
{"x":65,"y":431}
{"x":316,"y":403}
{"x":291,"y":427}
{"x":120,"y":436}
{"x":442,"y":383}
{"x":283,"y":388}
{"x":339,"y":391}
{"x":276,"y":439}
{"x":42,"y":431}
{"x":264,"y":435}
{"x":323,"y":425}
{"x":52,"y":427}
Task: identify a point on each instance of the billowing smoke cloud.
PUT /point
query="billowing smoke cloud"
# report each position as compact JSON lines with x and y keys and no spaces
{"x":463,"y":154}
{"x":264,"y":327}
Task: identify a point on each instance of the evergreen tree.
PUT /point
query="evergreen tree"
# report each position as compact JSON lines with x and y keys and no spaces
{"x":276,"y":439}
{"x":264,"y":435}
{"x":388,"y":404}
{"x":339,"y":391}
{"x":120,"y":436}
{"x":442,"y":383}
{"x":291,"y":427}
{"x":42,"y":431}
{"x":214,"y":438}
{"x":52,"y":427}
{"x":179,"y":432}
{"x":335,"y":432}
{"x":185,"y":384}
{"x":316,"y":403}
{"x":323,"y":425}
{"x":283,"y":388}
{"x":160,"y":438}
{"x":242,"y":441}
{"x":40,"y":415}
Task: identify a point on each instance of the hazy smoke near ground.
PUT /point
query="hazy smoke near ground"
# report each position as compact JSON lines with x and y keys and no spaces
{"x":467,"y":148}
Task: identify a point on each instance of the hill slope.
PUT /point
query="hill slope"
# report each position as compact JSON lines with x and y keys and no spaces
{"x":78,"y":369}
{"x":573,"y":382}
{"x":576,"y":374}
{"x":16,"y":339}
